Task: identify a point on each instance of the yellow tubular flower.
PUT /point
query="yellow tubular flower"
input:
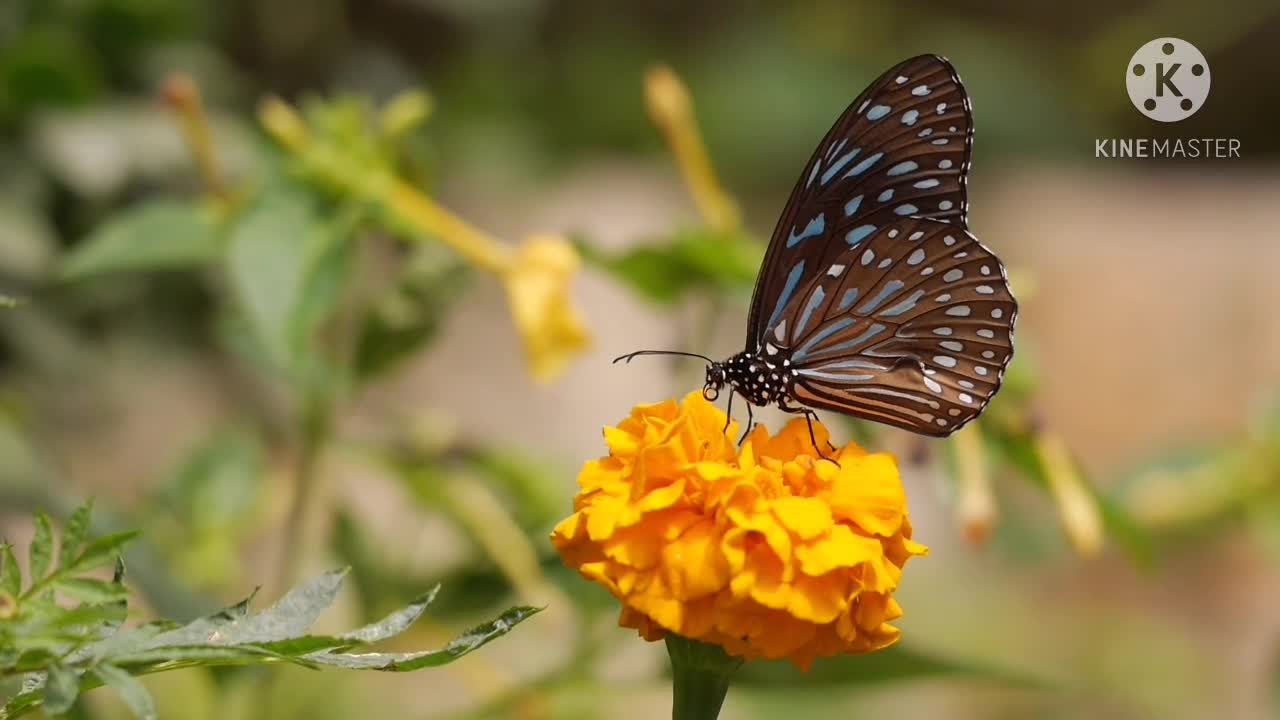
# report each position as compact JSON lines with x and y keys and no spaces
{"x":767,"y":551}
{"x":537,"y":283}
{"x":537,"y":274}
{"x":671,"y":109}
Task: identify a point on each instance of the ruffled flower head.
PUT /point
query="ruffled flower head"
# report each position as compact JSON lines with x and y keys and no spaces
{"x":768,"y":551}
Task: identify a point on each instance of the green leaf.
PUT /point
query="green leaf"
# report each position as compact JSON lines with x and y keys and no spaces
{"x":464,"y":644}
{"x":171,"y":657}
{"x":895,"y":664}
{"x":10,"y":573}
{"x":61,"y":687}
{"x":305,"y":645}
{"x":101,"y":551}
{"x":697,"y":259}
{"x":74,"y":534}
{"x":217,"y":483}
{"x":163,"y":235}
{"x":406,"y":319}
{"x":289,"y":618}
{"x":135,"y":696}
{"x":287,"y":266}
{"x":91,"y":590}
{"x":395,"y":623}
{"x":41,"y":550}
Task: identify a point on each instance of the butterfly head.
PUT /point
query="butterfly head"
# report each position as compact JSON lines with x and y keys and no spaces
{"x":715,"y":380}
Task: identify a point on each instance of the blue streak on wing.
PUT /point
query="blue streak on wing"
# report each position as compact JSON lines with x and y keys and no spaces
{"x":858,"y":234}
{"x":889,"y":288}
{"x":814,"y":301}
{"x":815,"y":227}
{"x":903,"y":167}
{"x":851,"y":207}
{"x":822,"y":334}
{"x":838,"y":165}
{"x":904,"y":306}
{"x":849,"y":296}
{"x":793,"y":279}
{"x":864,"y":165}
{"x":906,"y":209}
{"x":835,"y":377}
{"x":871,"y":332}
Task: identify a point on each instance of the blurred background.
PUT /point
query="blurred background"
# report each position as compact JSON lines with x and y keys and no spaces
{"x":234,"y":336}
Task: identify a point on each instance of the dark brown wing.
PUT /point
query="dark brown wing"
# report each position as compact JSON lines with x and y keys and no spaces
{"x":901,"y":149}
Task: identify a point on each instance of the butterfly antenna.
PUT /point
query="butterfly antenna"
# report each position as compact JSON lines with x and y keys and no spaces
{"x":630,"y":356}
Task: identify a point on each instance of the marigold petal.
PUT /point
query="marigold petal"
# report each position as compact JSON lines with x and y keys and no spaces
{"x":838,"y":548}
{"x":694,"y":564}
{"x":769,"y":550}
{"x":806,"y":517}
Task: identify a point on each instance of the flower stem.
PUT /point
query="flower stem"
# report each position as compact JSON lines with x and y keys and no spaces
{"x":1077,"y":506}
{"x":701,"y":675}
{"x":977,"y":506}
{"x":671,"y":109}
{"x":317,"y":422}
{"x":183,"y":96}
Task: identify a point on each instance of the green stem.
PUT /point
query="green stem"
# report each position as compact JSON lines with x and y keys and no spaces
{"x":700,"y":677}
{"x":317,"y":422}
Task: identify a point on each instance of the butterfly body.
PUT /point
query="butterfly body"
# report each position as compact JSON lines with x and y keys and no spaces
{"x":874,"y":299}
{"x":761,"y":379}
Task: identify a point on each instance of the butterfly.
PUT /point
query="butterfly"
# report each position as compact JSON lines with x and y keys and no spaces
{"x":874,"y":299}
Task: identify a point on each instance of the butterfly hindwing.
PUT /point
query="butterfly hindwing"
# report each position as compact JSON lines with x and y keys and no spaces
{"x":901,"y":149}
{"x":911,"y":326}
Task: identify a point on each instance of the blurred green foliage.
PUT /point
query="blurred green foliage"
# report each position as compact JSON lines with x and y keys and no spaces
{"x":301,"y":287}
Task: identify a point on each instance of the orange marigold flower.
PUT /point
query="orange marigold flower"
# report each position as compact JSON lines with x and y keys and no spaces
{"x":767,"y":551}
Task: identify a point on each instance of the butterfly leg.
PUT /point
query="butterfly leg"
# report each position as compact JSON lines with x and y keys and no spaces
{"x":728,"y":412}
{"x":809,"y":417}
{"x":750,"y":424}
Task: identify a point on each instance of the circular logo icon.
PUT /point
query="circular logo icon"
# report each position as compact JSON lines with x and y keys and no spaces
{"x":1168,"y":79}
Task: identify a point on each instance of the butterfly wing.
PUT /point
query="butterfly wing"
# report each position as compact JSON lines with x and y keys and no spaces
{"x":900,"y":149}
{"x":911,"y":326}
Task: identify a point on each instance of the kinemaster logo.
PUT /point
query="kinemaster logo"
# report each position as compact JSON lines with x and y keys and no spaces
{"x":1168,"y":81}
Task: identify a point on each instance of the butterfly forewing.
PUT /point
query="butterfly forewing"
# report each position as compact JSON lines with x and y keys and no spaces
{"x":901,"y":149}
{"x":911,"y":326}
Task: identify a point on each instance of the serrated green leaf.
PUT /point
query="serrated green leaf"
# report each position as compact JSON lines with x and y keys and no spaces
{"x":61,"y":687}
{"x":86,"y":618}
{"x":162,"y":235}
{"x":41,"y":550}
{"x":305,"y":645}
{"x":75,"y":532}
{"x":405,"y":662}
{"x":101,"y":551}
{"x":171,"y":657}
{"x":135,"y":696}
{"x":896,"y":664}
{"x":395,"y":623}
{"x":10,"y":573}
{"x":289,"y":618}
{"x":91,"y":590}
